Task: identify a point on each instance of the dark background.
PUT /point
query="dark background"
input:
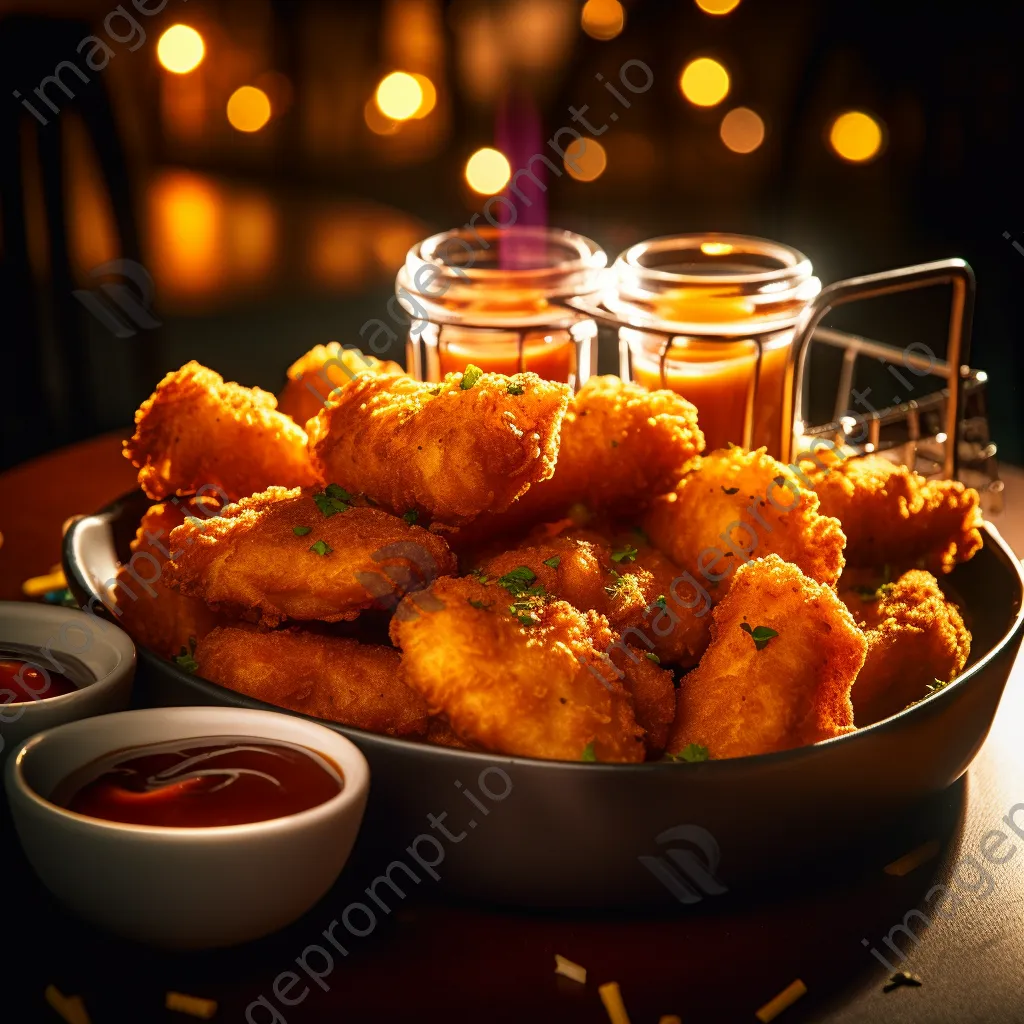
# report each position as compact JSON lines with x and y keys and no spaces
{"x":262,"y":245}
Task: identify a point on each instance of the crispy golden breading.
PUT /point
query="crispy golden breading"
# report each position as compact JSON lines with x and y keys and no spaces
{"x":155,"y":616}
{"x":441,"y":734}
{"x":539,"y":691}
{"x":654,"y":696}
{"x":620,"y":446}
{"x":624,"y":581}
{"x":314,"y":376}
{"x":736,"y":504}
{"x":328,"y":677}
{"x":915,"y":638}
{"x":796,"y":690}
{"x":354,"y":559}
{"x":441,"y":449}
{"x":891,"y":514}
{"x":197,"y":431}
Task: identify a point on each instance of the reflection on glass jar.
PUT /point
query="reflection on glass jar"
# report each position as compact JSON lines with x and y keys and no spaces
{"x":495,"y":297}
{"x":713,"y":320}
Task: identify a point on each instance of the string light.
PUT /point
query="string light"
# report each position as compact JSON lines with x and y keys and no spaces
{"x":248,"y":109}
{"x":488,"y":171}
{"x":718,"y":6}
{"x":399,"y":96}
{"x":180,"y":49}
{"x":856,"y":137}
{"x":704,"y":82}
{"x":603,"y":19}
{"x":585,"y":159}
{"x":742,"y":130}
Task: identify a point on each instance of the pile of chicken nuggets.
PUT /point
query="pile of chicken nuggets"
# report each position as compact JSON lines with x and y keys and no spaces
{"x":494,"y":563}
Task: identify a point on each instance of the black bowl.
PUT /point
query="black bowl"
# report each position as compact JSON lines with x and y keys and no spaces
{"x":519,"y":831}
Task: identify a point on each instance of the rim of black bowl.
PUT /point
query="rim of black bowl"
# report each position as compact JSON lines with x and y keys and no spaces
{"x":83,"y":590}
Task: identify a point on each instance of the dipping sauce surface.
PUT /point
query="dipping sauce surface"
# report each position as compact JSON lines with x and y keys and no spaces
{"x":201,"y":782}
{"x":29,"y":683}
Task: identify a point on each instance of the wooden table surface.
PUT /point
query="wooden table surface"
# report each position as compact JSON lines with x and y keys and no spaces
{"x":717,"y":961}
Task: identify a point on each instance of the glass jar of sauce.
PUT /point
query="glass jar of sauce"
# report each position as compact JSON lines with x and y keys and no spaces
{"x":712,"y":319}
{"x":495,"y":297}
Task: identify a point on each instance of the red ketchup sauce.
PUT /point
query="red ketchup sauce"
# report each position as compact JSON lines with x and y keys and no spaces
{"x":27,"y":681}
{"x":201,"y":783}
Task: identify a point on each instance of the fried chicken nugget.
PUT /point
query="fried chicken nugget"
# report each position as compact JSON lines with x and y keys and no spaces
{"x":915,"y":638}
{"x":334,"y":678}
{"x":891,"y":514}
{"x":633,"y":584}
{"x":536,"y":690}
{"x":620,"y":445}
{"x":291,"y":555}
{"x":154,"y":615}
{"x":197,"y":431}
{"x":320,"y":372}
{"x":737,"y":504}
{"x":795,"y":690}
{"x":471,"y":444}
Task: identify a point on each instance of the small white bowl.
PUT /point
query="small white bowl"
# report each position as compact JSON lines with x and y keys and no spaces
{"x":183,"y":887}
{"x":62,"y":640}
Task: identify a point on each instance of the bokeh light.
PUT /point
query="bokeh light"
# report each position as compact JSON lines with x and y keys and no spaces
{"x":399,"y":96}
{"x":856,"y":137}
{"x":429,"y":100}
{"x":585,"y":159}
{"x":603,"y":19}
{"x":488,"y":171}
{"x":742,"y":130}
{"x":180,"y":49}
{"x":718,"y":6}
{"x":248,"y":109}
{"x":704,"y":82}
{"x":376,"y":121}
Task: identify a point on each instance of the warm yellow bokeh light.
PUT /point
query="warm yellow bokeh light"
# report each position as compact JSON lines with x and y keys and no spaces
{"x":585,"y":159}
{"x":742,"y":130}
{"x":399,"y":96}
{"x":718,"y":6}
{"x":704,"y":82}
{"x":377,"y":122}
{"x":180,"y":49}
{"x":248,"y":109}
{"x":429,"y":94}
{"x":856,"y":136}
{"x":603,"y":19}
{"x":488,"y":171}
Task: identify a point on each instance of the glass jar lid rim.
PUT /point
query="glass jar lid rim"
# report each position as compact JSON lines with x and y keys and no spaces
{"x":792,"y":262}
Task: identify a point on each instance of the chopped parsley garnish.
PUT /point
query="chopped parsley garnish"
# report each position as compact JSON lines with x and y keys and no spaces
{"x":525,"y":611}
{"x":478,"y":604}
{"x":588,"y":752}
{"x":434,"y":392}
{"x":321,"y":547}
{"x":661,"y":602}
{"x":185,"y":659}
{"x":479,"y":575}
{"x":779,"y":481}
{"x":332,"y":499}
{"x":516,"y":389}
{"x":627,"y":554}
{"x":651,"y":656}
{"x":692,"y":753}
{"x":553,"y":562}
{"x":760,"y":634}
{"x":616,"y":584}
{"x":470,"y":376}
{"x":937,"y":685}
{"x":518,"y":580}
{"x":411,"y":516}
{"x":615,"y":444}
{"x":732,"y":490}
{"x":301,"y":531}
